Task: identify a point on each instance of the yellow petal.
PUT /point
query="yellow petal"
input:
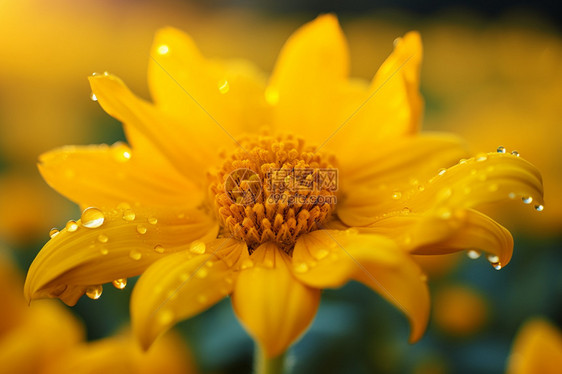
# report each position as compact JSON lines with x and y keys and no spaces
{"x":185,"y":148}
{"x":476,"y":232}
{"x":430,"y":235}
{"x":122,"y":354}
{"x":537,"y":349}
{"x":482,"y":179}
{"x":392,"y":106}
{"x":274,"y":307}
{"x":127,"y":242}
{"x":216,"y":98}
{"x":46,"y":331}
{"x":182,"y":285}
{"x":107,"y":176}
{"x":305,"y":87}
{"x":329,"y":258}
{"x":373,"y":185}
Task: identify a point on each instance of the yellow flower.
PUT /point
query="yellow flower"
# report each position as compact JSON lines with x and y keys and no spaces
{"x":208,"y":200}
{"x":537,"y":348}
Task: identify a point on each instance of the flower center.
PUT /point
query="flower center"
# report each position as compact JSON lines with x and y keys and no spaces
{"x":274,"y":189}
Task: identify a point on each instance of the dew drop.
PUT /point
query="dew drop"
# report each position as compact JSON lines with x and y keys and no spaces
{"x":141,"y":229}
{"x":197,"y":247}
{"x":102,"y":238}
{"x":539,"y":207}
{"x":246,"y":264}
{"x":158,"y":248}
{"x":201,"y":273}
{"x":515,"y":153}
{"x":473,"y":254}
{"x":53,"y":232}
{"x":71,"y":226}
{"x":497,"y":265}
{"x":121,"y":152}
{"x":396,"y":195}
{"x":93,"y":97}
{"x":321,"y":253}
{"x":224,"y":86}
{"x":481,"y":157}
{"x":421,"y":188}
{"x":94,"y":292}
{"x":152,"y":220}
{"x":135,"y":254}
{"x":129,"y":215}
{"x":406,"y":210}
{"x":163,"y":49}
{"x":165,"y":317}
{"x":493,"y":259}
{"x":501,"y":149}
{"x":442,"y":171}
{"x":120,"y":283}
{"x":92,"y":218}
{"x":300,"y":267}
{"x":527,"y":200}
{"x":104,"y":251}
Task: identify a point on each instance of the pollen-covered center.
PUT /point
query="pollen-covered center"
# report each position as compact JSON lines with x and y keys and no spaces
{"x":273,"y":189}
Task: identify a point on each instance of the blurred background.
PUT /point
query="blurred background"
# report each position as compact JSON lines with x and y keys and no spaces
{"x":492,"y":73}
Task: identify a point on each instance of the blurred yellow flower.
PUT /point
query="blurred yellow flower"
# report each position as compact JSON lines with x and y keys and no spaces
{"x":459,"y":310}
{"x":537,"y":348}
{"x":121,"y":353}
{"x":270,"y":192}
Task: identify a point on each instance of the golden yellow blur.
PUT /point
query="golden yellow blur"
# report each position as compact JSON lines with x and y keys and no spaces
{"x":537,"y":348}
{"x":459,"y":310}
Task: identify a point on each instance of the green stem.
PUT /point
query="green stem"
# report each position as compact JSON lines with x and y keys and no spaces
{"x":265,"y":365}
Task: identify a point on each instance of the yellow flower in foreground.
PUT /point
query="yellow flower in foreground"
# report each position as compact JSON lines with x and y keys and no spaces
{"x":270,"y":191}
{"x":537,"y":349}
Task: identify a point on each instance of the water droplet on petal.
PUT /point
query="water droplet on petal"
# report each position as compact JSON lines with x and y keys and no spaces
{"x":497,"y":265}
{"x":493,"y":259}
{"x":158,"y":248}
{"x":152,"y":220}
{"x":501,"y":149}
{"x":197,"y":247}
{"x":515,"y":153}
{"x":120,"y":283}
{"x":71,"y":226}
{"x":104,"y":251}
{"x":406,"y":210}
{"x":396,"y":195}
{"x":163,"y":49}
{"x":141,"y":229}
{"x":442,"y":171}
{"x":102,"y":238}
{"x":481,"y":157}
{"x":93,"y":96}
{"x":300,"y":267}
{"x":224,"y":86}
{"x":121,"y":152}
{"x":129,"y":215}
{"x":135,"y":254}
{"x":165,"y":317}
{"x":94,"y":292}
{"x":421,"y":188}
{"x":539,"y":207}
{"x":53,"y":232}
{"x":527,"y":200}
{"x":201,"y":273}
{"x":473,"y":254}
{"x":92,"y":218}
{"x":321,"y":253}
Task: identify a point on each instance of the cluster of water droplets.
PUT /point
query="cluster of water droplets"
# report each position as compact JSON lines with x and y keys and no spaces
{"x":526,"y":199}
{"x":93,"y":218}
